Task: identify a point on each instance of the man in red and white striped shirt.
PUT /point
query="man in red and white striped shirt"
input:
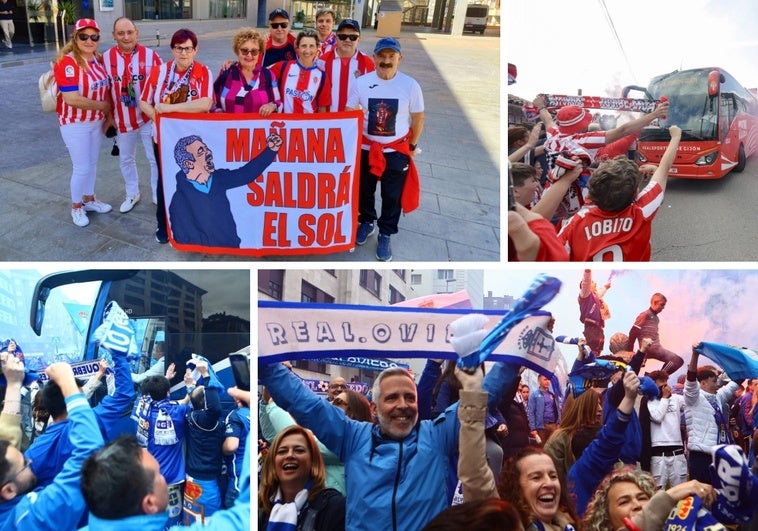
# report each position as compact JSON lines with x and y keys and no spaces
{"x":345,"y":63}
{"x":129,"y":64}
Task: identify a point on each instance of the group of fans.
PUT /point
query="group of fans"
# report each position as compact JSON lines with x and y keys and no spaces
{"x":597,"y":203}
{"x":621,"y":448}
{"x":174,"y":463}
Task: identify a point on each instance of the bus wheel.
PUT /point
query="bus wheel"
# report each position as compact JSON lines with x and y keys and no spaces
{"x":741,"y":160}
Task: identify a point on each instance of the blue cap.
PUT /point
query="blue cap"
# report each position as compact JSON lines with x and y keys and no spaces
{"x":279,"y":12}
{"x":349,"y":23}
{"x":387,"y":43}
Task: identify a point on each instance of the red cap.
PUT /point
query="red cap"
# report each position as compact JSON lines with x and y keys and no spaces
{"x":572,"y":119}
{"x":83,"y":23}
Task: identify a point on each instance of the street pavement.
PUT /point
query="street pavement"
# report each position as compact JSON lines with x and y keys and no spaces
{"x":459,"y":163}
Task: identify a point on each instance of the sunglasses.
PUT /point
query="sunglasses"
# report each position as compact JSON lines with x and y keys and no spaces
{"x":277,"y":25}
{"x":85,"y":37}
{"x":245,"y":51}
{"x":344,"y":37}
{"x":183,"y":49}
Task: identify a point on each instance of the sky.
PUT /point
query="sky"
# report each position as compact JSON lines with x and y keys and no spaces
{"x":560,"y":47}
{"x":710,"y":305}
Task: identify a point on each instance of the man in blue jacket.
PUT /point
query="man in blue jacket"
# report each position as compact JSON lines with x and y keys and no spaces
{"x":543,"y":411}
{"x":396,"y":469}
{"x":49,"y":451}
{"x":125,"y":490}
{"x":60,"y":505}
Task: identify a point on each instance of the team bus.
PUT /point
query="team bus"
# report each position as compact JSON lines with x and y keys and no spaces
{"x":206,"y":312}
{"x":718,"y":118}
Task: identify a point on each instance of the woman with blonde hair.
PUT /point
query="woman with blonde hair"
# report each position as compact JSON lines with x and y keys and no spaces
{"x":82,"y":106}
{"x":246,"y":86}
{"x":292,"y":488}
{"x":628,"y":494}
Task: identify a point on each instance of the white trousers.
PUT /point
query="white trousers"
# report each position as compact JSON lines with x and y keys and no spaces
{"x":83,"y":140}
{"x":127,"y":148}
{"x":671,"y":469}
{"x":8,"y":29}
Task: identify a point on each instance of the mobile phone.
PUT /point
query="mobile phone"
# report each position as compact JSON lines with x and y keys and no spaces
{"x":241,"y":371}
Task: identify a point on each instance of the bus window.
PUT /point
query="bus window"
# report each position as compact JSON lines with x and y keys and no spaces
{"x":206,"y":312}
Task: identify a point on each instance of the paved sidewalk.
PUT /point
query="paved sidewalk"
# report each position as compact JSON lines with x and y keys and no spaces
{"x":459,"y":217}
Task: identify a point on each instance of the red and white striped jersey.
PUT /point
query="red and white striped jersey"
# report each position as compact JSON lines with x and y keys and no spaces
{"x":91,"y":82}
{"x":556,"y":142}
{"x":595,"y":235}
{"x":342,"y":71}
{"x":164,"y":79}
{"x":128,"y":75}
{"x":303,"y":89}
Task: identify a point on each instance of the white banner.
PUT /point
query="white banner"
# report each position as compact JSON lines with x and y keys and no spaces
{"x":228,"y":191}
{"x":311,"y":331}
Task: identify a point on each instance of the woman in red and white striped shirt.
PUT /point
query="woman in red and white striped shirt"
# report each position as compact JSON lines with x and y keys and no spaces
{"x":179,"y":85}
{"x":303,"y":85}
{"x":83,"y":104}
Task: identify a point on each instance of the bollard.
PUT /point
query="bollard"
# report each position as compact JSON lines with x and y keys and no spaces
{"x":158,"y":37}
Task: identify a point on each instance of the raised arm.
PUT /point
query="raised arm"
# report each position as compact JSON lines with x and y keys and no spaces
{"x":662,"y":172}
{"x":635,"y":126}
{"x":473,"y":471}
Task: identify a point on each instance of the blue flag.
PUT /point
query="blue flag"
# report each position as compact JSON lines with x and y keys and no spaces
{"x":542,"y":291}
{"x":738,"y":362}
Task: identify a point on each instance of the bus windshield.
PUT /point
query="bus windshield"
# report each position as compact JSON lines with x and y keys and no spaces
{"x":690,"y":107}
{"x":205,"y":312}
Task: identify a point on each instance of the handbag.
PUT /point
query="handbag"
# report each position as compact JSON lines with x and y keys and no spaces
{"x":48,"y":90}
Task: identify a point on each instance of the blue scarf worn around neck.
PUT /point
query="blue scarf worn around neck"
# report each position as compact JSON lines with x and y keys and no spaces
{"x":283,"y":515}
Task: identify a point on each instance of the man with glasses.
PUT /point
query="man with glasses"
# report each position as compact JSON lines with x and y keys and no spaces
{"x":345,"y":63}
{"x":280,"y":44}
{"x":336,"y":385}
{"x":129,"y":64}
{"x":60,"y":504}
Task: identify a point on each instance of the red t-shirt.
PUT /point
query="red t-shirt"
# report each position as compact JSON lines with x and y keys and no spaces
{"x":551,"y":249}
{"x":595,"y":235}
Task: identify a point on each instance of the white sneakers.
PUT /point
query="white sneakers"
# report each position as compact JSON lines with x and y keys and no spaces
{"x":80,"y":217}
{"x":96,"y":206}
{"x":129,"y":203}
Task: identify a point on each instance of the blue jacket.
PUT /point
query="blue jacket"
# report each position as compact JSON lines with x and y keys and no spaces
{"x":597,"y":460}
{"x":206,"y":218}
{"x":397,"y":485}
{"x":60,"y":505}
{"x":143,"y":522}
{"x":52,"y":448}
{"x":536,"y":409}
{"x":236,"y":518}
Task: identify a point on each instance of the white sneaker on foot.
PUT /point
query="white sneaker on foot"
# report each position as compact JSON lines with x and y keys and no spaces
{"x":80,"y":217}
{"x":129,"y":203}
{"x":96,"y":206}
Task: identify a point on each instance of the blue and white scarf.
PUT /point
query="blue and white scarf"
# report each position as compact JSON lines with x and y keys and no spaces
{"x":283,"y":515}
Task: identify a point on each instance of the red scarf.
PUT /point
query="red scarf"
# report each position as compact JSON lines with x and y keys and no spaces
{"x":410,"y":198}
